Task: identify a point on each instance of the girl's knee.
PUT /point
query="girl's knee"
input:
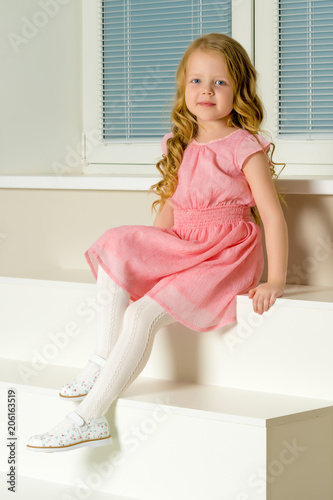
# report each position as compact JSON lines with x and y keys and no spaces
{"x":143,"y":314}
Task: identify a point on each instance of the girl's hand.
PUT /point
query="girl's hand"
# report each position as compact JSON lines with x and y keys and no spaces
{"x":264,"y":295}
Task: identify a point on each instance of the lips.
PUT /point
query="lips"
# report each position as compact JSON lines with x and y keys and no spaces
{"x":206,"y":104}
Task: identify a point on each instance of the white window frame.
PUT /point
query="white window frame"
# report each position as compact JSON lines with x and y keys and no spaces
{"x":304,"y":157}
{"x":135,"y":158}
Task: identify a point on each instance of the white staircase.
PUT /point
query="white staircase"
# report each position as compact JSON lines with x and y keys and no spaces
{"x":242,"y":413}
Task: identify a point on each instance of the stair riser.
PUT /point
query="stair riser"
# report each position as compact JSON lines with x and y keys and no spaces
{"x":48,"y":324}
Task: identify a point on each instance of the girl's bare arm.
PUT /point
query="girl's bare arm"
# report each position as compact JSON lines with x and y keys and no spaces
{"x":257,"y":173}
{"x":164,"y":217}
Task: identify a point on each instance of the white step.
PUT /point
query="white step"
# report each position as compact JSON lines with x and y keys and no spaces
{"x":287,"y":350}
{"x":182,"y":441}
{"x":37,"y":489}
{"x":220,"y":403}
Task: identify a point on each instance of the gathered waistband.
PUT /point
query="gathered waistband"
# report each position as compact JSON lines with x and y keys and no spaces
{"x":222,"y":214}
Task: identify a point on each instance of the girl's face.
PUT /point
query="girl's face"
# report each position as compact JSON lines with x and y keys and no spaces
{"x":208,"y":88}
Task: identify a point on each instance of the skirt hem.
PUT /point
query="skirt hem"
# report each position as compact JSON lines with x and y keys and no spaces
{"x":135,"y":297}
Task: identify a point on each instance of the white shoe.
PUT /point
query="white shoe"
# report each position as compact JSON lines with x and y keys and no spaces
{"x":78,"y":390}
{"x":92,"y":433}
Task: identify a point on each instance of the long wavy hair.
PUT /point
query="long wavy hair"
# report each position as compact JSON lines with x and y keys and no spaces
{"x":247,"y":110}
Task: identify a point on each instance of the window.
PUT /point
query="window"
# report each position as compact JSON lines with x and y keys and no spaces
{"x":129,"y":88}
{"x":306,"y":68}
{"x":290,"y":42}
{"x":293,"y":56}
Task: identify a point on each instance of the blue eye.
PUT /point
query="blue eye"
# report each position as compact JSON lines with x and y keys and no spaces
{"x":195,"y":80}
{"x":220,"y":82}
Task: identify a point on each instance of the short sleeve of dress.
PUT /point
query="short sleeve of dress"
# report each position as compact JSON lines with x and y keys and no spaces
{"x":164,"y":141}
{"x":249,"y":146}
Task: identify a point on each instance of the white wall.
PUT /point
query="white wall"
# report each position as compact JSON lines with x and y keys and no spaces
{"x":40,"y":84}
{"x":44,"y":233}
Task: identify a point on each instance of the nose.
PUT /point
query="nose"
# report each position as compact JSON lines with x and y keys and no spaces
{"x":208,"y":90}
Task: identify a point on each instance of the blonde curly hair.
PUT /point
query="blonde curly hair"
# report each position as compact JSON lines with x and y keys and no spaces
{"x":247,"y":110}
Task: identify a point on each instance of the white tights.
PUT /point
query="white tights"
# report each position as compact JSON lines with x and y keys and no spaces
{"x":112,"y":302}
{"x":125,"y":338}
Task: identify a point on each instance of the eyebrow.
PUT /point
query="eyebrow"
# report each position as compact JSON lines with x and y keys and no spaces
{"x":216,"y":76}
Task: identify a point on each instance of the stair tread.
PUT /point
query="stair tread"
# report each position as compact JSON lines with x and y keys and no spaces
{"x":306,"y":293}
{"x":318,"y":295}
{"x":29,"y":488}
{"x":207,"y":401}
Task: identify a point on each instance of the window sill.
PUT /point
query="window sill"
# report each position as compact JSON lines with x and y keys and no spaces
{"x":79,"y":182}
{"x":316,"y":185}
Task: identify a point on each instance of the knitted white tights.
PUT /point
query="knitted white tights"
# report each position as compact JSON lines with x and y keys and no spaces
{"x":111,"y":303}
{"x":141,"y":321}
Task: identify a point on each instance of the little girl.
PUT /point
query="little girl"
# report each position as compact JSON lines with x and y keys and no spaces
{"x":204,"y":247}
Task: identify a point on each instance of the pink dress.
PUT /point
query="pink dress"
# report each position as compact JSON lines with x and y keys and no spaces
{"x":212,"y":253}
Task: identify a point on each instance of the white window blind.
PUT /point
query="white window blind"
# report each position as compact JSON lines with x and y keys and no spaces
{"x":306,"y":67}
{"x":142,"y":44}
